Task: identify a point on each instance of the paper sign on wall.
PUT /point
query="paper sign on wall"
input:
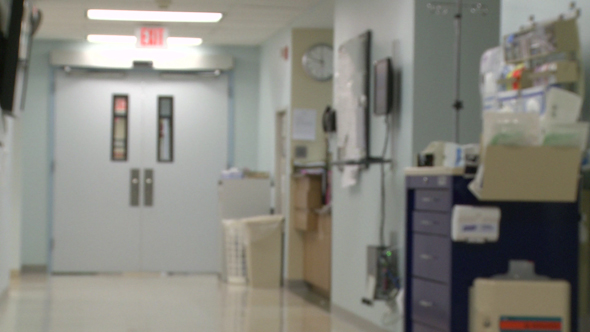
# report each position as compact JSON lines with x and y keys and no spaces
{"x":304,"y":124}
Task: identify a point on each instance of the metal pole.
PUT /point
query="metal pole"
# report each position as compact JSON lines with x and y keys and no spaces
{"x":458,"y":105}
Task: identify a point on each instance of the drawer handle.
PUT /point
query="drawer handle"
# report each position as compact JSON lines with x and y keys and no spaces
{"x":429,"y":199}
{"x":428,"y":223}
{"x":425,"y":179}
{"x":426,"y":304}
{"x":427,"y":257}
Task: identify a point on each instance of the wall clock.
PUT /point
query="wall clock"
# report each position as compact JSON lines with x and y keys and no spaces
{"x":318,"y":62}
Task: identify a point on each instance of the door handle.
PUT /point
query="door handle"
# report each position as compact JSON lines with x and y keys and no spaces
{"x":148,"y":187}
{"x":426,"y":257}
{"x":134,"y":199}
{"x":429,"y":199}
{"x":426,"y":304}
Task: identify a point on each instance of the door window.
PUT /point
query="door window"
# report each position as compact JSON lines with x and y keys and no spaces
{"x":119,"y":141}
{"x":165,"y":129}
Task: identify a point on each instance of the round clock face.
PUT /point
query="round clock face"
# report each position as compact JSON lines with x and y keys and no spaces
{"x":318,"y":62}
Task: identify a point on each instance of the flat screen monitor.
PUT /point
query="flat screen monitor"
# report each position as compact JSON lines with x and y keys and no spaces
{"x":383,"y":87}
{"x":23,"y":21}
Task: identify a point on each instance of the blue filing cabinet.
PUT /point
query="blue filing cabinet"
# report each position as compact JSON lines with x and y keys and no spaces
{"x":439,"y":272}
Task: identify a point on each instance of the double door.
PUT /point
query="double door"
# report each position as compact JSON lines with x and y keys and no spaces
{"x":137,"y":158}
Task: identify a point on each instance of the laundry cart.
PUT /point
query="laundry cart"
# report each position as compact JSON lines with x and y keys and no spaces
{"x":239,"y":199}
{"x":264,"y":243}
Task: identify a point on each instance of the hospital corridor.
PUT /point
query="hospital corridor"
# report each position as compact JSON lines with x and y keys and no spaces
{"x":294,"y":166}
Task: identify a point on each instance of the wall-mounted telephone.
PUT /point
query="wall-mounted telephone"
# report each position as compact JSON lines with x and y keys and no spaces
{"x":329,"y":120}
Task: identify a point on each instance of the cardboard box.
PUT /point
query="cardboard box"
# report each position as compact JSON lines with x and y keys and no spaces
{"x":531,"y":174}
{"x":318,"y":256}
{"x":306,"y":220}
{"x":308,"y":192}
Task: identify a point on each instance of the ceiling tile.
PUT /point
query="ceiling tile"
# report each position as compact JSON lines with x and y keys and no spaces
{"x":246,"y":22}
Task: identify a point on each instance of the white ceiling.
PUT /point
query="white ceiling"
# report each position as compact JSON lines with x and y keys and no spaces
{"x":245,"y":22}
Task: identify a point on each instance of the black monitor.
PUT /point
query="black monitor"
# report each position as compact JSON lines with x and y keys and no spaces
{"x":383,"y":87}
{"x":15,"y":48}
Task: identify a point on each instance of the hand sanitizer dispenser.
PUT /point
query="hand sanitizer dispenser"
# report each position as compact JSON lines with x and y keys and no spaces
{"x":520,"y":301}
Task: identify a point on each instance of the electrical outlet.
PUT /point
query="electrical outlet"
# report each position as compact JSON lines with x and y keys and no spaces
{"x":382,"y":273}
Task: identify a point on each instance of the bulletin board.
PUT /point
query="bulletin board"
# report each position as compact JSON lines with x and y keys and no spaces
{"x":352,"y":82}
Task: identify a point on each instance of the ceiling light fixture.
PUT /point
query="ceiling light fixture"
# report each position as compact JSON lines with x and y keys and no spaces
{"x":116,"y":39}
{"x":184,"y":41}
{"x":153,"y":16}
{"x":112,"y":39}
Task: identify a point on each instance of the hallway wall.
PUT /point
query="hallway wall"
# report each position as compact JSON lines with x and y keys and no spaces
{"x":421,"y":45}
{"x":275,"y":77}
{"x":37,"y":137}
{"x":356,"y":210}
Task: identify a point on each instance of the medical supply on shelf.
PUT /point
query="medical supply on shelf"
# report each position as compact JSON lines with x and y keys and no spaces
{"x":451,"y":155}
{"x":475,"y":224}
{"x":567,"y":135}
{"x":562,"y":106}
{"x":514,"y":129}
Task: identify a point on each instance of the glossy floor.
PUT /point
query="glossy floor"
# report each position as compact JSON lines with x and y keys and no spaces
{"x":151,"y":303}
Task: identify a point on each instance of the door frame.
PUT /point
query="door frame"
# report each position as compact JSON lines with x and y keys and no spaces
{"x":280,"y":171}
{"x":50,"y":217}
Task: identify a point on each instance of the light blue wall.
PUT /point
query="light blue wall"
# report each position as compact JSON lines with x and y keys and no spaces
{"x":434,"y":90}
{"x":356,"y":211}
{"x":4,"y":222}
{"x":36,"y":155}
{"x":275,"y":94}
{"x":35,"y":158}
{"x":424,"y":56}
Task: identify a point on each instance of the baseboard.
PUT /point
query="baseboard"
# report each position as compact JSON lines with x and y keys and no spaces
{"x":33,"y":269}
{"x":355,"y":320}
{"x":295,"y":284}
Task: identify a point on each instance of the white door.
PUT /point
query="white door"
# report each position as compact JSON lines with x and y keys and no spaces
{"x":181,"y":231}
{"x":175,"y":228}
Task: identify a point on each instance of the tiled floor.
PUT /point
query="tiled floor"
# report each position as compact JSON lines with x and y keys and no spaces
{"x":152,"y":303}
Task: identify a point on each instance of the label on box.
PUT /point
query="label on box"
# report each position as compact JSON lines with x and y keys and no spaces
{"x":530,"y":324}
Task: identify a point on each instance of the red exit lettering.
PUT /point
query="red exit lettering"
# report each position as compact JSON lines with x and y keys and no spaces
{"x":152,"y":37}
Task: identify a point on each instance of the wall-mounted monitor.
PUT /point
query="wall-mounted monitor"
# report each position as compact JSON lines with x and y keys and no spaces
{"x":15,"y":48}
{"x":383,"y":73}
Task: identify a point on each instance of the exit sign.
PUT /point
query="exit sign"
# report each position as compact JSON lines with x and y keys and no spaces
{"x":152,"y":37}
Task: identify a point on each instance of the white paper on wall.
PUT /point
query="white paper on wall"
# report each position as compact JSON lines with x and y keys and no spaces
{"x":304,"y":124}
{"x":350,"y":176}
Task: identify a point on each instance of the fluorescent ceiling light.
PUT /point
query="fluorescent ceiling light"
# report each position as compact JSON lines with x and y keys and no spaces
{"x":114,"y":39}
{"x":182,"y":41}
{"x":153,"y":16}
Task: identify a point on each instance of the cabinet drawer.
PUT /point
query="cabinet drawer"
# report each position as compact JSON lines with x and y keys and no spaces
{"x":432,"y":223}
{"x":431,"y":304}
{"x":433,"y":200}
{"x":432,"y":257}
{"x":422,"y":328}
{"x":433,"y":182}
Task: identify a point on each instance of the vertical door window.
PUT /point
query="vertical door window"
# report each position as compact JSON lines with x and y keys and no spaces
{"x":119,"y":139}
{"x":165,"y":129}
